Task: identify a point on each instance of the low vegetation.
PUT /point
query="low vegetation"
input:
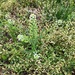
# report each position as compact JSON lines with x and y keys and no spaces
{"x":37,"y":37}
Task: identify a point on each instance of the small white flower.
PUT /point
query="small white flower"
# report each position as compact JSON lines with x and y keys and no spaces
{"x":7,"y":15}
{"x":59,"y":22}
{"x":20,"y":37}
{"x":32,"y":16}
{"x":10,"y":21}
{"x":36,"y":56}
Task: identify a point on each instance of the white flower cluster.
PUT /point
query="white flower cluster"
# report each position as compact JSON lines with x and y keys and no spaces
{"x":36,"y":56}
{"x":32,"y":17}
{"x":10,"y":21}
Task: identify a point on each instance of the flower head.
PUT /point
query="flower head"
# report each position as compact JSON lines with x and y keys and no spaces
{"x":32,"y":17}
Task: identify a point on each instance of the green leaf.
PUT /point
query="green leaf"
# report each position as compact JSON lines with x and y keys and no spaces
{"x":4,"y":57}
